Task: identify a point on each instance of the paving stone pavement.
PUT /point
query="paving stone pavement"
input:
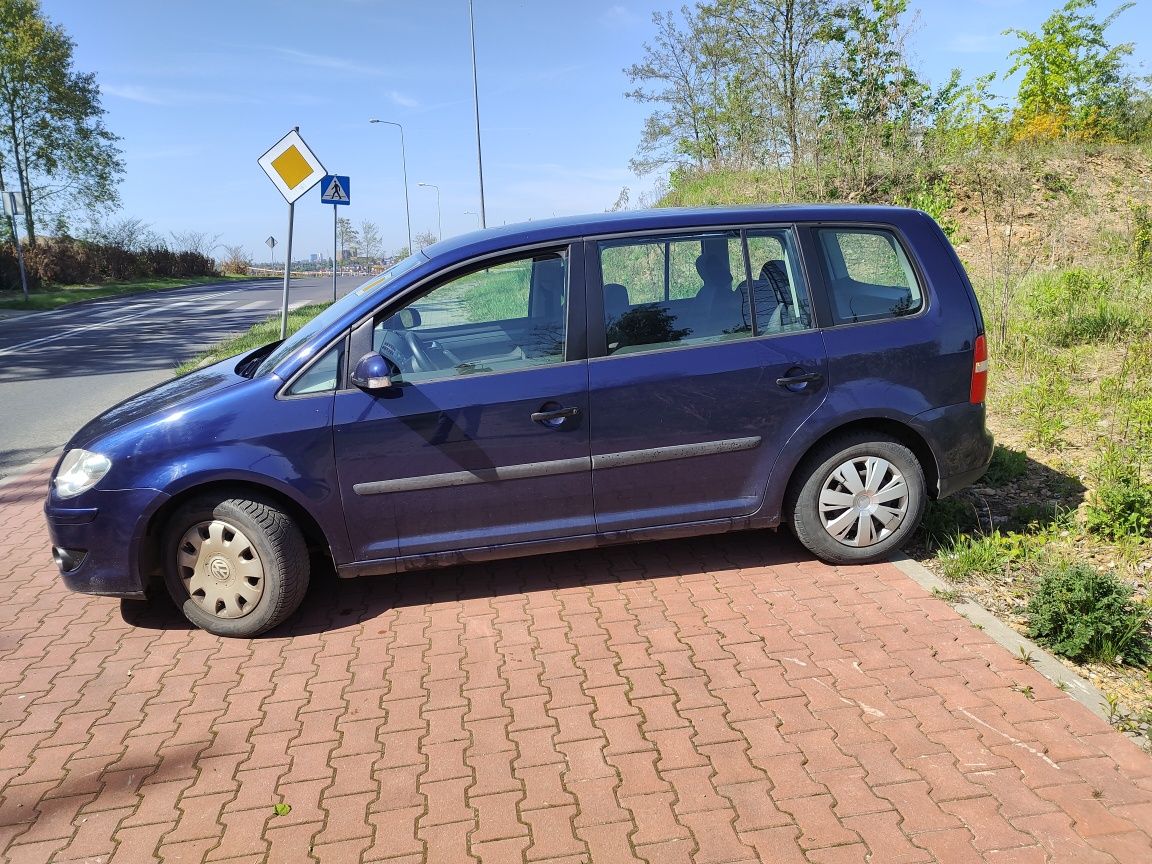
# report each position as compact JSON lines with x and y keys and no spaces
{"x":716,"y":701}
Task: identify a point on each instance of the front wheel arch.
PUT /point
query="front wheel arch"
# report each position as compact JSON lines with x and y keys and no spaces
{"x":150,"y":560}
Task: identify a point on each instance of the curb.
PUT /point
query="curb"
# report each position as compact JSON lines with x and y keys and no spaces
{"x":1043,"y":662}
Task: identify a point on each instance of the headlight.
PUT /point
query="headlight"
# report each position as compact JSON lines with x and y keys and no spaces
{"x":79,"y":472}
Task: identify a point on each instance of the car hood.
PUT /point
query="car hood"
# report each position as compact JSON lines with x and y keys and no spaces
{"x":163,"y":397}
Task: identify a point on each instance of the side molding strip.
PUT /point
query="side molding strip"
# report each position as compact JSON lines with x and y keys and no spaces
{"x":680,"y":451}
{"x":470,"y":478}
{"x":558,"y":466}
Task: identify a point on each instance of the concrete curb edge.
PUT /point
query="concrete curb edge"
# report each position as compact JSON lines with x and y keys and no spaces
{"x":1042,"y":661}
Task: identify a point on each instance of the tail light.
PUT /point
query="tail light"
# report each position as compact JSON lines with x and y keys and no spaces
{"x":979,"y":371}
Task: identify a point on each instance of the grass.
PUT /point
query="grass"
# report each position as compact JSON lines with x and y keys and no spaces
{"x":257,"y":335}
{"x":62,"y":295}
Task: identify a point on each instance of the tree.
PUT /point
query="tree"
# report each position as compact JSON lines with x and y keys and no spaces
{"x":425,"y":238}
{"x":781,"y":46}
{"x":53,"y":143}
{"x":872,"y":99}
{"x":703,"y":113}
{"x":1073,"y":84}
{"x":198,"y":242}
{"x":346,"y":234}
{"x":370,"y":239}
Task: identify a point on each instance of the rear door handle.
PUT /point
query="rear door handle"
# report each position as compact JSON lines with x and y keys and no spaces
{"x":556,"y":417}
{"x":797,"y":381}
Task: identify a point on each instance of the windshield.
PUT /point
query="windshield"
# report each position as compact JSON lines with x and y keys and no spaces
{"x":348,"y":301}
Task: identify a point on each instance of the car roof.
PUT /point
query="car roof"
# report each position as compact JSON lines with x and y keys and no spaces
{"x":664,"y":218}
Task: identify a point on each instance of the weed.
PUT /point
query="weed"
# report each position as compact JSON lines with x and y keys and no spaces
{"x":1045,"y":408}
{"x":1025,"y":656}
{"x":946,"y":518}
{"x":1085,"y":614}
{"x":948,"y":595}
{"x":1141,"y":238}
{"x":1121,"y":504}
{"x":1062,"y":686}
{"x":281,"y":808}
{"x":969,"y":555}
{"x":1006,"y":465}
{"x":1026,"y":690}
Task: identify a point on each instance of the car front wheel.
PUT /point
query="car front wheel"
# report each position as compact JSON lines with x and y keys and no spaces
{"x":235,"y":566}
{"x":859,"y":498}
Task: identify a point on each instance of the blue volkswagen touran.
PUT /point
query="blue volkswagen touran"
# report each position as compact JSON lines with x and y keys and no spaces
{"x":547,"y":387}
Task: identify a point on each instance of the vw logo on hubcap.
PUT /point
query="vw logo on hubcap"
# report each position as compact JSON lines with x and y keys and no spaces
{"x":219,"y":569}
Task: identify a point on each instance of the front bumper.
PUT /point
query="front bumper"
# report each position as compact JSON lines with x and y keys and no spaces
{"x":98,"y":546}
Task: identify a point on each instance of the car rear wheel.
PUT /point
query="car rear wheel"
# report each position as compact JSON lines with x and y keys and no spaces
{"x":235,"y":566}
{"x":859,"y":497}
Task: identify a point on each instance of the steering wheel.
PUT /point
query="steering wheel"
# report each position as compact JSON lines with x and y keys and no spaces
{"x":405,"y":350}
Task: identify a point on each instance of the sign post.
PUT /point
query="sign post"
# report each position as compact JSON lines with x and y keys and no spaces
{"x":335,"y":189}
{"x":271,"y":244}
{"x":293,"y":169}
{"x":13,"y":207}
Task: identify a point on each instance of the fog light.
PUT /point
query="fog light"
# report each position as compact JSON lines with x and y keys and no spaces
{"x":68,"y":559}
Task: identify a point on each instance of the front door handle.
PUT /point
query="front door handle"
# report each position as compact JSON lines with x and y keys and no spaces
{"x":800,"y":381}
{"x":554,"y":417}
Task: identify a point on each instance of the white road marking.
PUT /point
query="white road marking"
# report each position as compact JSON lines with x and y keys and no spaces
{"x":101,"y":324}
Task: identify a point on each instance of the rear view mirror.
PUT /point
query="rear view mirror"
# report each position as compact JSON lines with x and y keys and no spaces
{"x":409,"y":318}
{"x":372,"y":373}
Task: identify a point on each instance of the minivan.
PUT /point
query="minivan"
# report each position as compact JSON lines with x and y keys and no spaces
{"x":546,"y":387}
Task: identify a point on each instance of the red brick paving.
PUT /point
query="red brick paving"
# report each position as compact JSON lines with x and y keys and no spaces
{"x":713,"y":701}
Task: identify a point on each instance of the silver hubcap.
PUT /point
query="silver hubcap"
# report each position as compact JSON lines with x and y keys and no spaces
{"x":220,"y":569}
{"x":863,"y":501}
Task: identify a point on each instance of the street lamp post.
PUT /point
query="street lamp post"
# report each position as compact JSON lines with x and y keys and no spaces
{"x":476,"y":103}
{"x":439,"y":223}
{"x":404,"y":166}
{"x":473,"y":213}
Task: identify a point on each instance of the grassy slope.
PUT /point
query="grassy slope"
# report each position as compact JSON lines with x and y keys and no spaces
{"x":259,"y":334}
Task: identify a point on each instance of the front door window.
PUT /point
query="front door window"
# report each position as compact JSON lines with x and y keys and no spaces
{"x":501,"y":318}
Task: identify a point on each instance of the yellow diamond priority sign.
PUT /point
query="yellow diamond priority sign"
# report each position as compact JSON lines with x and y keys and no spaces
{"x":292,"y":167}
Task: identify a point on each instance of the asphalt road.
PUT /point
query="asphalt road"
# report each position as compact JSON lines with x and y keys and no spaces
{"x":59,"y":369}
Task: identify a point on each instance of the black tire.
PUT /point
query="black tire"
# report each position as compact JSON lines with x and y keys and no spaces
{"x":815,"y":474}
{"x":256,"y":587}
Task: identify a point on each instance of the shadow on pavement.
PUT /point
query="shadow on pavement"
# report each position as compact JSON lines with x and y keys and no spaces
{"x":333,"y":603}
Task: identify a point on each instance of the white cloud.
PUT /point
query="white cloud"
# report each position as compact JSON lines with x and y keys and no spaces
{"x":403,"y":101}
{"x":619,"y":17}
{"x":975,"y":43}
{"x":325,"y":61}
{"x":170,"y":96}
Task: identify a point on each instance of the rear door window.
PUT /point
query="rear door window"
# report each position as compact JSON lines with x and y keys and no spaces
{"x":869,"y":275}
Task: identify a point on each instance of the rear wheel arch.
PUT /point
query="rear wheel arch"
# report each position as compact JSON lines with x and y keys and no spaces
{"x":885,"y":427}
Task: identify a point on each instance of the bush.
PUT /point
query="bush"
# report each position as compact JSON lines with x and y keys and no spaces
{"x":1085,"y":615}
{"x":66,"y":261}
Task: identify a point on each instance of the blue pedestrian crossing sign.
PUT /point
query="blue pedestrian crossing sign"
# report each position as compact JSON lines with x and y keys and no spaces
{"x":334,"y":189}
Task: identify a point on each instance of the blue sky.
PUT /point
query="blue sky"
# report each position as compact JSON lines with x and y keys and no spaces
{"x":199,"y":90}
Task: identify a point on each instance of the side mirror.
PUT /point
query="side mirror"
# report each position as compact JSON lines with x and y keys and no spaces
{"x":372,"y":373}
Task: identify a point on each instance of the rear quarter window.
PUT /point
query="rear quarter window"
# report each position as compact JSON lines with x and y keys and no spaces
{"x":869,"y":276}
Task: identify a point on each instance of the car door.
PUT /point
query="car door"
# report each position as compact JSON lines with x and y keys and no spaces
{"x":705,"y":363}
{"x":483,"y":438}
